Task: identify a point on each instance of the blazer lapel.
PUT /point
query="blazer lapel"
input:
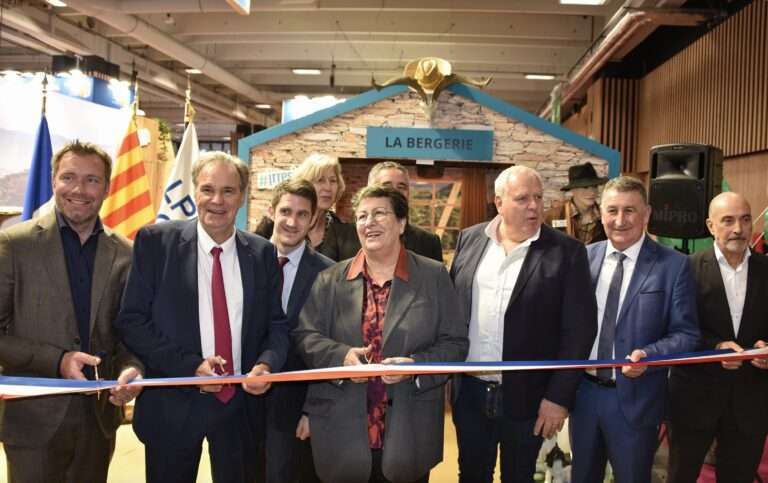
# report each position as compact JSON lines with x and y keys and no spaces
{"x":51,"y":250}
{"x":248,"y":277}
{"x":751,"y":298}
{"x":188,"y":281}
{"x":400,"y":298}
{"x":596,"y":263}
{"x":102,"y":271}
{"x":531,"y":262}
{"x":646,"y":259}
{"x":349,"y":309}
{"x":300,"y":282}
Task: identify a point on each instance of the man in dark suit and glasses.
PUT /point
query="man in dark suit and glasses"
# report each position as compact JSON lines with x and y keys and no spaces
{"x":203,"y":298}
{"x":418,"y":240}
{"x":727,"y":402}
{"x":288,"y":454}
{"x":525,"y":292}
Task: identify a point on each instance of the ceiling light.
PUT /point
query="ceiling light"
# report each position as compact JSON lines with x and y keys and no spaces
{"x":262,"y":106}
{"x":56,"y":3}
{"x":193,"y":71}
{"x":306,"y":71}
{"x":539,"y":76}
{"x":583,"y":2}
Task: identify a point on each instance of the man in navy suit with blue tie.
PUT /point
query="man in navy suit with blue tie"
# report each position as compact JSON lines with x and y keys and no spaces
{"x":203,"y":298}
{"x":287,"y":452}
{"x":646,"y":306}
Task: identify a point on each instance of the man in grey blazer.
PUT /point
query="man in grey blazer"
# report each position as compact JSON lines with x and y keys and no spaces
{"x":287,"y":452}
{"x":61,"y":280}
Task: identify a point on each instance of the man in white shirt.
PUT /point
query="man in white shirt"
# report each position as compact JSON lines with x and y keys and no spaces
{"x":726,"y":401}
{"x":203,"y":298}
{"x":645,"y":307}
{"x":526,"y":295}
{"x":288,"y":455}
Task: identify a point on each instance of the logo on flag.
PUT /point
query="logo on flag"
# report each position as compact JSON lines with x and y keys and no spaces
{"x":128,"y":205}
{"x":178,"y":200}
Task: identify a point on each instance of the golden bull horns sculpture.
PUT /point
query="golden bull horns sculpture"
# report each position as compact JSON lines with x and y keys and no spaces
{"x":429,"y":76}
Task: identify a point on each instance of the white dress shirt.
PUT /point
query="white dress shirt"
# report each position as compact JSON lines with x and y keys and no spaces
{"x":735,"y":282}
{"x":492,"y":288}
{"x":604,"y":283}
{"x":233,"y":288}
{"x":289,"y":271}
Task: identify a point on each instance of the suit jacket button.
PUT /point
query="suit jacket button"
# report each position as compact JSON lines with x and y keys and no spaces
{"x":77,"y":341}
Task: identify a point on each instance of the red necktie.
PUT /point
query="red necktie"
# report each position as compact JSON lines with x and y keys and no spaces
{"x":282,"y":261}
{"x":221,"y":334}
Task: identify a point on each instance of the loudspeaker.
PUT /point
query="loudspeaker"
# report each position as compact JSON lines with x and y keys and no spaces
{"x":684,"y":179}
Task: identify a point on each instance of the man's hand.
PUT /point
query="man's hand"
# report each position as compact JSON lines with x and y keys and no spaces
{"x":759,"y":362}
{"x":302,"y":429}
{"x":635,"y":371}
{"x":355,"y":357}
{"x":122,"y":394}
{"x":729,"y":344}
{"x":207,"y":369}
{"x":72,"y":363}
{"x":257,"y":388}
{"x":550,"y":420}
{"x":397,"y":378}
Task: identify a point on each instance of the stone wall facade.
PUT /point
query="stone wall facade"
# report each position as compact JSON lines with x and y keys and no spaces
{"x":344,"y":136}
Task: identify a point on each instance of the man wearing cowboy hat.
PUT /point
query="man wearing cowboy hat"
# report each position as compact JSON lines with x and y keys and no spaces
{"x":580,"y":216}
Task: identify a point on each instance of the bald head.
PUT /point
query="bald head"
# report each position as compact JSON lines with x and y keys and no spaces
{"x":730,"y":223}
{"x":520,"y":202}
{"x":513,"y":175}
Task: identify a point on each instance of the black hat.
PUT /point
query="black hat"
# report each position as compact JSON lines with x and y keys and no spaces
{"x":582,"y":176}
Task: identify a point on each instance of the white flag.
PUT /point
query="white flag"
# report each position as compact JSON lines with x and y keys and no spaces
{"x":178,"y":197}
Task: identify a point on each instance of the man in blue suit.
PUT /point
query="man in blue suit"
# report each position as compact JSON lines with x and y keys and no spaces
{"x":646,"y":306}
{"x":288,"y":458}
{"x":203,"y":298}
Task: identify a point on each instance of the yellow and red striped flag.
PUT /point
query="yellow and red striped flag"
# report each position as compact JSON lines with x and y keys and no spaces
{"x":128,"y":205}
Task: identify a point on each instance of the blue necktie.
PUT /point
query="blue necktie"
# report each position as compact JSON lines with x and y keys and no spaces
{"x":608,"y":328}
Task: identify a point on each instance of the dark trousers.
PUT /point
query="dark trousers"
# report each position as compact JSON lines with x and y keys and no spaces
{"x":601,"y":433}
{"x":481,"y":427}
{"x":287,"y":459}
{"x":77,"y":452}
{"x":737,"y":454}
{"x":231,"y":446}
{"x":377,"y":476}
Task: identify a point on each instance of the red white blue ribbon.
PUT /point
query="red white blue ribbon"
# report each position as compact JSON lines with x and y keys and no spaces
{"x":18,"y":387}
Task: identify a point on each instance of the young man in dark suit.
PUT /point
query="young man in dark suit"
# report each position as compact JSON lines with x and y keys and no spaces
{"x":726,"y":401}
{"x":418,"y":240}
{"x":288,"y":454}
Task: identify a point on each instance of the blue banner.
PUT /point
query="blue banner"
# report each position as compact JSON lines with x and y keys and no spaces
{"x":39,"y":189}
{"x":420,"y":143}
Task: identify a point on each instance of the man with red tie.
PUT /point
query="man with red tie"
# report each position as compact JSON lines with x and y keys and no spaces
{"x":203,"y":298}
{"x":288,"y":455}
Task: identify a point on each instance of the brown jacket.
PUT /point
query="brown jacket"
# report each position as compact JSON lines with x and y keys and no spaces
{"x":38,"y":323}
{"x":566,"y":219}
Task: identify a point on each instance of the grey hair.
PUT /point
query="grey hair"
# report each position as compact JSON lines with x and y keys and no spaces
{"x":626,"y":184}
{"x":379,"y":167}
{"x":207,"y":158}
{"x":502,"y":179}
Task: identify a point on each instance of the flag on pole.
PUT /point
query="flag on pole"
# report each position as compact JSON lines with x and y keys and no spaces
{"x":178,"y":197}
{"x":128,"y":205}
{"x":39,"y":189}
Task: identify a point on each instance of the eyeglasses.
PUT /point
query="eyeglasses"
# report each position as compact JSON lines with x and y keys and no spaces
{"x":378,"y":215}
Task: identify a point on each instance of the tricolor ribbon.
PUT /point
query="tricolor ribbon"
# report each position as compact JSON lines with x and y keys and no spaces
{"x":18,"y":387}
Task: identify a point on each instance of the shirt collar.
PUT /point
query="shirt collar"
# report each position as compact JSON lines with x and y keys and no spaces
{"x":207,"y":243}
{"x":720,"y":257}
{"x":294,"y":256}
{"x":632,"y":252}
{"x":492,"y":232}
{"x":62,"y":223}
{"x":358,"y":265}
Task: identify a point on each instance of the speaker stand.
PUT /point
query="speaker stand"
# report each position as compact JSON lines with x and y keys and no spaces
{"x":684,"y":249}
